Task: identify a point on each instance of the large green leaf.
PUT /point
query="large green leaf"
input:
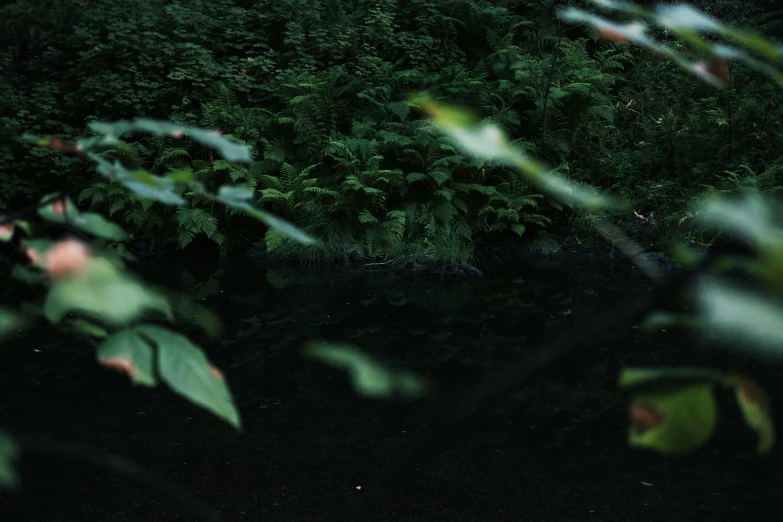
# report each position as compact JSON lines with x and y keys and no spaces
{"x":752,"y":399}
{"x":8,"y":454}
{"x":130,"y":353}
{"x":370,"y":378}
{"x":751,"y":321}
{"x":103,"y":292}
{"x":186,"y":369}
{"x":673,"y":420}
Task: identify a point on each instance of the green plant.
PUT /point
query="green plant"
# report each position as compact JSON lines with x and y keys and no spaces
{"x":89,"y":291}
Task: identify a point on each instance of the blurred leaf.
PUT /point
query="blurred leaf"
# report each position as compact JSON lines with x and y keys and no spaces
{"x":27,"y":275}
{"x":88,"y":222}
{"x":673,"y":421}
{"x":186,"y":369}
{"x":229,"y":150}
{"x":9,"y":452}
{"x":749,"y":219}
{"x":142,"y":183}
{"x":11,"y":322}
{"x":7,"y":231}
{"x":659,"y":320}
{"x":103,"y":292}
{"x":756,"y":409}
{"x":181,"y":176}
{"x":370,"y":378}
{"x":88,"y":328}
{"x":747,"y":319}
{"x":130,"y":353}
{"x":39,"y":249}
{"x":238,"y":197}
{"x":637,"y":376}
{"x":490,"y":143}
{"x":686,"y":22}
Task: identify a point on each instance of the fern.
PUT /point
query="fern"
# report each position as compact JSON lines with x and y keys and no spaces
{"x":273,"y":239}
{"x":194,"y":221}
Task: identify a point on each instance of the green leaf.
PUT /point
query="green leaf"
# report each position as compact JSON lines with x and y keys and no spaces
{"x":11,"y":322}
{"x":237,"y":197}
{"x":673,"y":421}
{"x":186,"y":369}
{"x":229,"y":150}
{"x":748,"y":218}
{"x":750,"y":320}
{"x":88,"y":222}
{"x":400,"y":108}
{"x":39,"y":249}
{"x":103,"y":292}
{"x":9,"y":452}
{"x":365,"y":216}
{"x":273,"y":239}
{"x":630,"y":377}
{"x":489,"y":142}
{"x":756,"y":409}
{"x":370,"y":378}
{"x":233,"y":195}
{"x":142,"y":183}
{"x":518,"y":229}
{"x":130,"y":353}
{"x":181,"y":176}
{"x":89,"y":328}
{"x":7,"y":231}
{"x":28,"y":276}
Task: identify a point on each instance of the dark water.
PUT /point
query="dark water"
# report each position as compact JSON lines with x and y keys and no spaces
{"x":553,"y":450}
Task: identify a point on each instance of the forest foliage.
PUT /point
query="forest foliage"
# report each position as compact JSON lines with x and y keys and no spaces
{"x":318,"y":90}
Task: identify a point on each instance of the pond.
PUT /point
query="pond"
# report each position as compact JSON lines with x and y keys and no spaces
{"x":554,"y":449}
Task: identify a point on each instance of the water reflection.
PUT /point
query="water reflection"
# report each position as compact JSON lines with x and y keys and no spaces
{"x":556,"y":445}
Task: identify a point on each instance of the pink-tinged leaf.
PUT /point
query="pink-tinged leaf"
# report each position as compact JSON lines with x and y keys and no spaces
{"x":6,"y":231}
{"x":714,"y":70}
{"x":121,"y":365}
{"x":673,"y":421}
{"x":105,"y":293}
{"x":130,"y":353}
{"x":36,"y":250}
{"x":756,"y":409}
{"x":644,"y":418}
{"x":64,"y":211}
{"x":186,"y":369}
{"x":67,"y":259}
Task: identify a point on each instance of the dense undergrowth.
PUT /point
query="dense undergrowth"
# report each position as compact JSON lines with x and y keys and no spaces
{"x":318,"y":89}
